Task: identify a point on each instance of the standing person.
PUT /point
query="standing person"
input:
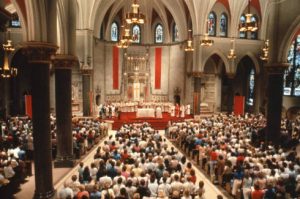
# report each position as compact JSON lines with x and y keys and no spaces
{"x":246,"y":186}
{"x":257,"y":193}
{"x":177,"y":110}
{"x":182,"y":111}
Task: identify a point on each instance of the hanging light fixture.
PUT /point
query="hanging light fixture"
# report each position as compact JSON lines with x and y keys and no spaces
{"x":249,"y":25}
{"x":189,"y":47}
{"x":232,"y":54}
{"x":125,"y":37}
{"x":135,"y":17}
{"x":265,"y":51}
{"x":206,"y":41}
{"x":6,"y":71}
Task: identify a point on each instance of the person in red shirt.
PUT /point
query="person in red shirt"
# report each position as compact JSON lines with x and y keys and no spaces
{"x":213,"y":161}
{"x":82,"y":192}
{"x":257,"y":193}
{"x":124,"y":156}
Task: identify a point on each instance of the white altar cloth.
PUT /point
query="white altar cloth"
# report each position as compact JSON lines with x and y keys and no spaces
{"x":145,"y":112}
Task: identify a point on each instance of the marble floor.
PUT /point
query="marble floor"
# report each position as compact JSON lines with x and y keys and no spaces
{"x":62,"y":175}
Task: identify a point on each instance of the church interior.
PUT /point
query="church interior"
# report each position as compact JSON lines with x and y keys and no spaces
{"x":153,"y":99}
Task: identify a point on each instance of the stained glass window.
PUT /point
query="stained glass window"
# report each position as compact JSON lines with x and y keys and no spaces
{"x":223,"y":25}
{"x":243,"y":34}
{"x":292,"y":73}
{"x":254,"y":34}
{"x":212,"y":24}
{"x":250,"y":97}
{"x":175,"y":33}
{"x":136,"y":34}
{"x":114,"y":31}
{"x":159,"y":33}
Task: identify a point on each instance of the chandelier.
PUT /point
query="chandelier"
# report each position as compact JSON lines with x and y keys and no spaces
{"x":135,"y":17}
{"x":265,"y":51}
{"x":248,"y":25}
{"x":125,"y":38}
{"x":206,"y":41}
{"x":189,"y":47}
{"x":6,"y":71}
{"x":232,"y":54}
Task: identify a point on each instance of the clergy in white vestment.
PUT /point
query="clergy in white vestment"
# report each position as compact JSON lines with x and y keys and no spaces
{"x":172,"y":111}
{"x":182,"y":111}
{"x":188,"y":109}
{"x":158,"y":112}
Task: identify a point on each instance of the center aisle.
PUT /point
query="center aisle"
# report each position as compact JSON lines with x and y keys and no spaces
{"x":211,"y":191}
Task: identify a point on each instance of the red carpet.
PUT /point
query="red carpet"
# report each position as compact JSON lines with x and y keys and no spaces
{"x":156,"y":123}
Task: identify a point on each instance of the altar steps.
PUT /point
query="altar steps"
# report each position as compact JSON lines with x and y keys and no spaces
{"x":156,"y":123}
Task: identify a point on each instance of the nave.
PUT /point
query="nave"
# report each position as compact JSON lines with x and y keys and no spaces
{"x":210,"y":190}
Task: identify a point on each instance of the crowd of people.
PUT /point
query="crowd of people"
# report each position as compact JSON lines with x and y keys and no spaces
{"x":134,"y":163}
{"x":17,"y":150}
{"x":231,"y":150}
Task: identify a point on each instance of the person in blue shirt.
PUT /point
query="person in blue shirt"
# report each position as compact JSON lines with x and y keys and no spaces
{"x":95,"y":194}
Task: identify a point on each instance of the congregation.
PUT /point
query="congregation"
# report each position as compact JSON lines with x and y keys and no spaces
{"x":233,"y":152}
{"x":16,"y":147}
{"x":136,"y":162}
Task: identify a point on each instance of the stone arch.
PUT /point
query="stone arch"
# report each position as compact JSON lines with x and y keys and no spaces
{"x":222,"y":57}
{"x":254,"y":60}
{"x":285,"y":45}
{"x":22,"y":15}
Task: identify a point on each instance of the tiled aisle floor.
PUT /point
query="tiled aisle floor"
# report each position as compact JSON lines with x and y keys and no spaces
{"x":27,"y":191}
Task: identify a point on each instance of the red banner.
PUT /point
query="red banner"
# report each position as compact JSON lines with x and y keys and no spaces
{"x":239,"y":105}
{"x":158,"y":52}
{"x":28,"y":105}
{"x":115,"y":67}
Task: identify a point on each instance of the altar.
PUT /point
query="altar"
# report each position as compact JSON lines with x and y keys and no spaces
{"x":145,"y":112}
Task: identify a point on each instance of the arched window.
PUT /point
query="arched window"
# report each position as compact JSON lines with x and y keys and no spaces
{"x":223,"y":25}
{"x":243,"y":34}
{"x":251,"y":82}
{"x":136,"y":34}
{"x":212,"y":24}
{"x":159,"y":33}
{"x":292,"y":73}
{"x":175,"y":33}
{"x":254,"y":34}
{"x":114,"y":31}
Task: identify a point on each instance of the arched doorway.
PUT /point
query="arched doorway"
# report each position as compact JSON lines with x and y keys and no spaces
{"x":245,"y":81}
{"x":211,"y":83}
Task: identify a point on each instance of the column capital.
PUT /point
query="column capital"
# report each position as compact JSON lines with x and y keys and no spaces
{"x":39,"y":52}
{"x":196,"y":74}
{"x":276,"y":68}
{"x":230,"y":75}
{"x":86,"y":71}
{"x":62,"y":61}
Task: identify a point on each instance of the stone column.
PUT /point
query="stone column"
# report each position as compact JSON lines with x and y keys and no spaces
{"x":231,"y":94}
{"x":86,"y":88}
{"x":6,"y":97}
{"x":38,"y":56}
{"x":274,"y":106}
{"x":197,"y":93}
{"x":63,"y":65}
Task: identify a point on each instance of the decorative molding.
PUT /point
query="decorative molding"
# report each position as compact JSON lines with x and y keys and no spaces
{"x":276,"y":68}
{"x":195,"y":74}
{"x":61,"y":61}
{"x":230,"y":75}
{"x":86,"y":71}
{"x":38,"y":52}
